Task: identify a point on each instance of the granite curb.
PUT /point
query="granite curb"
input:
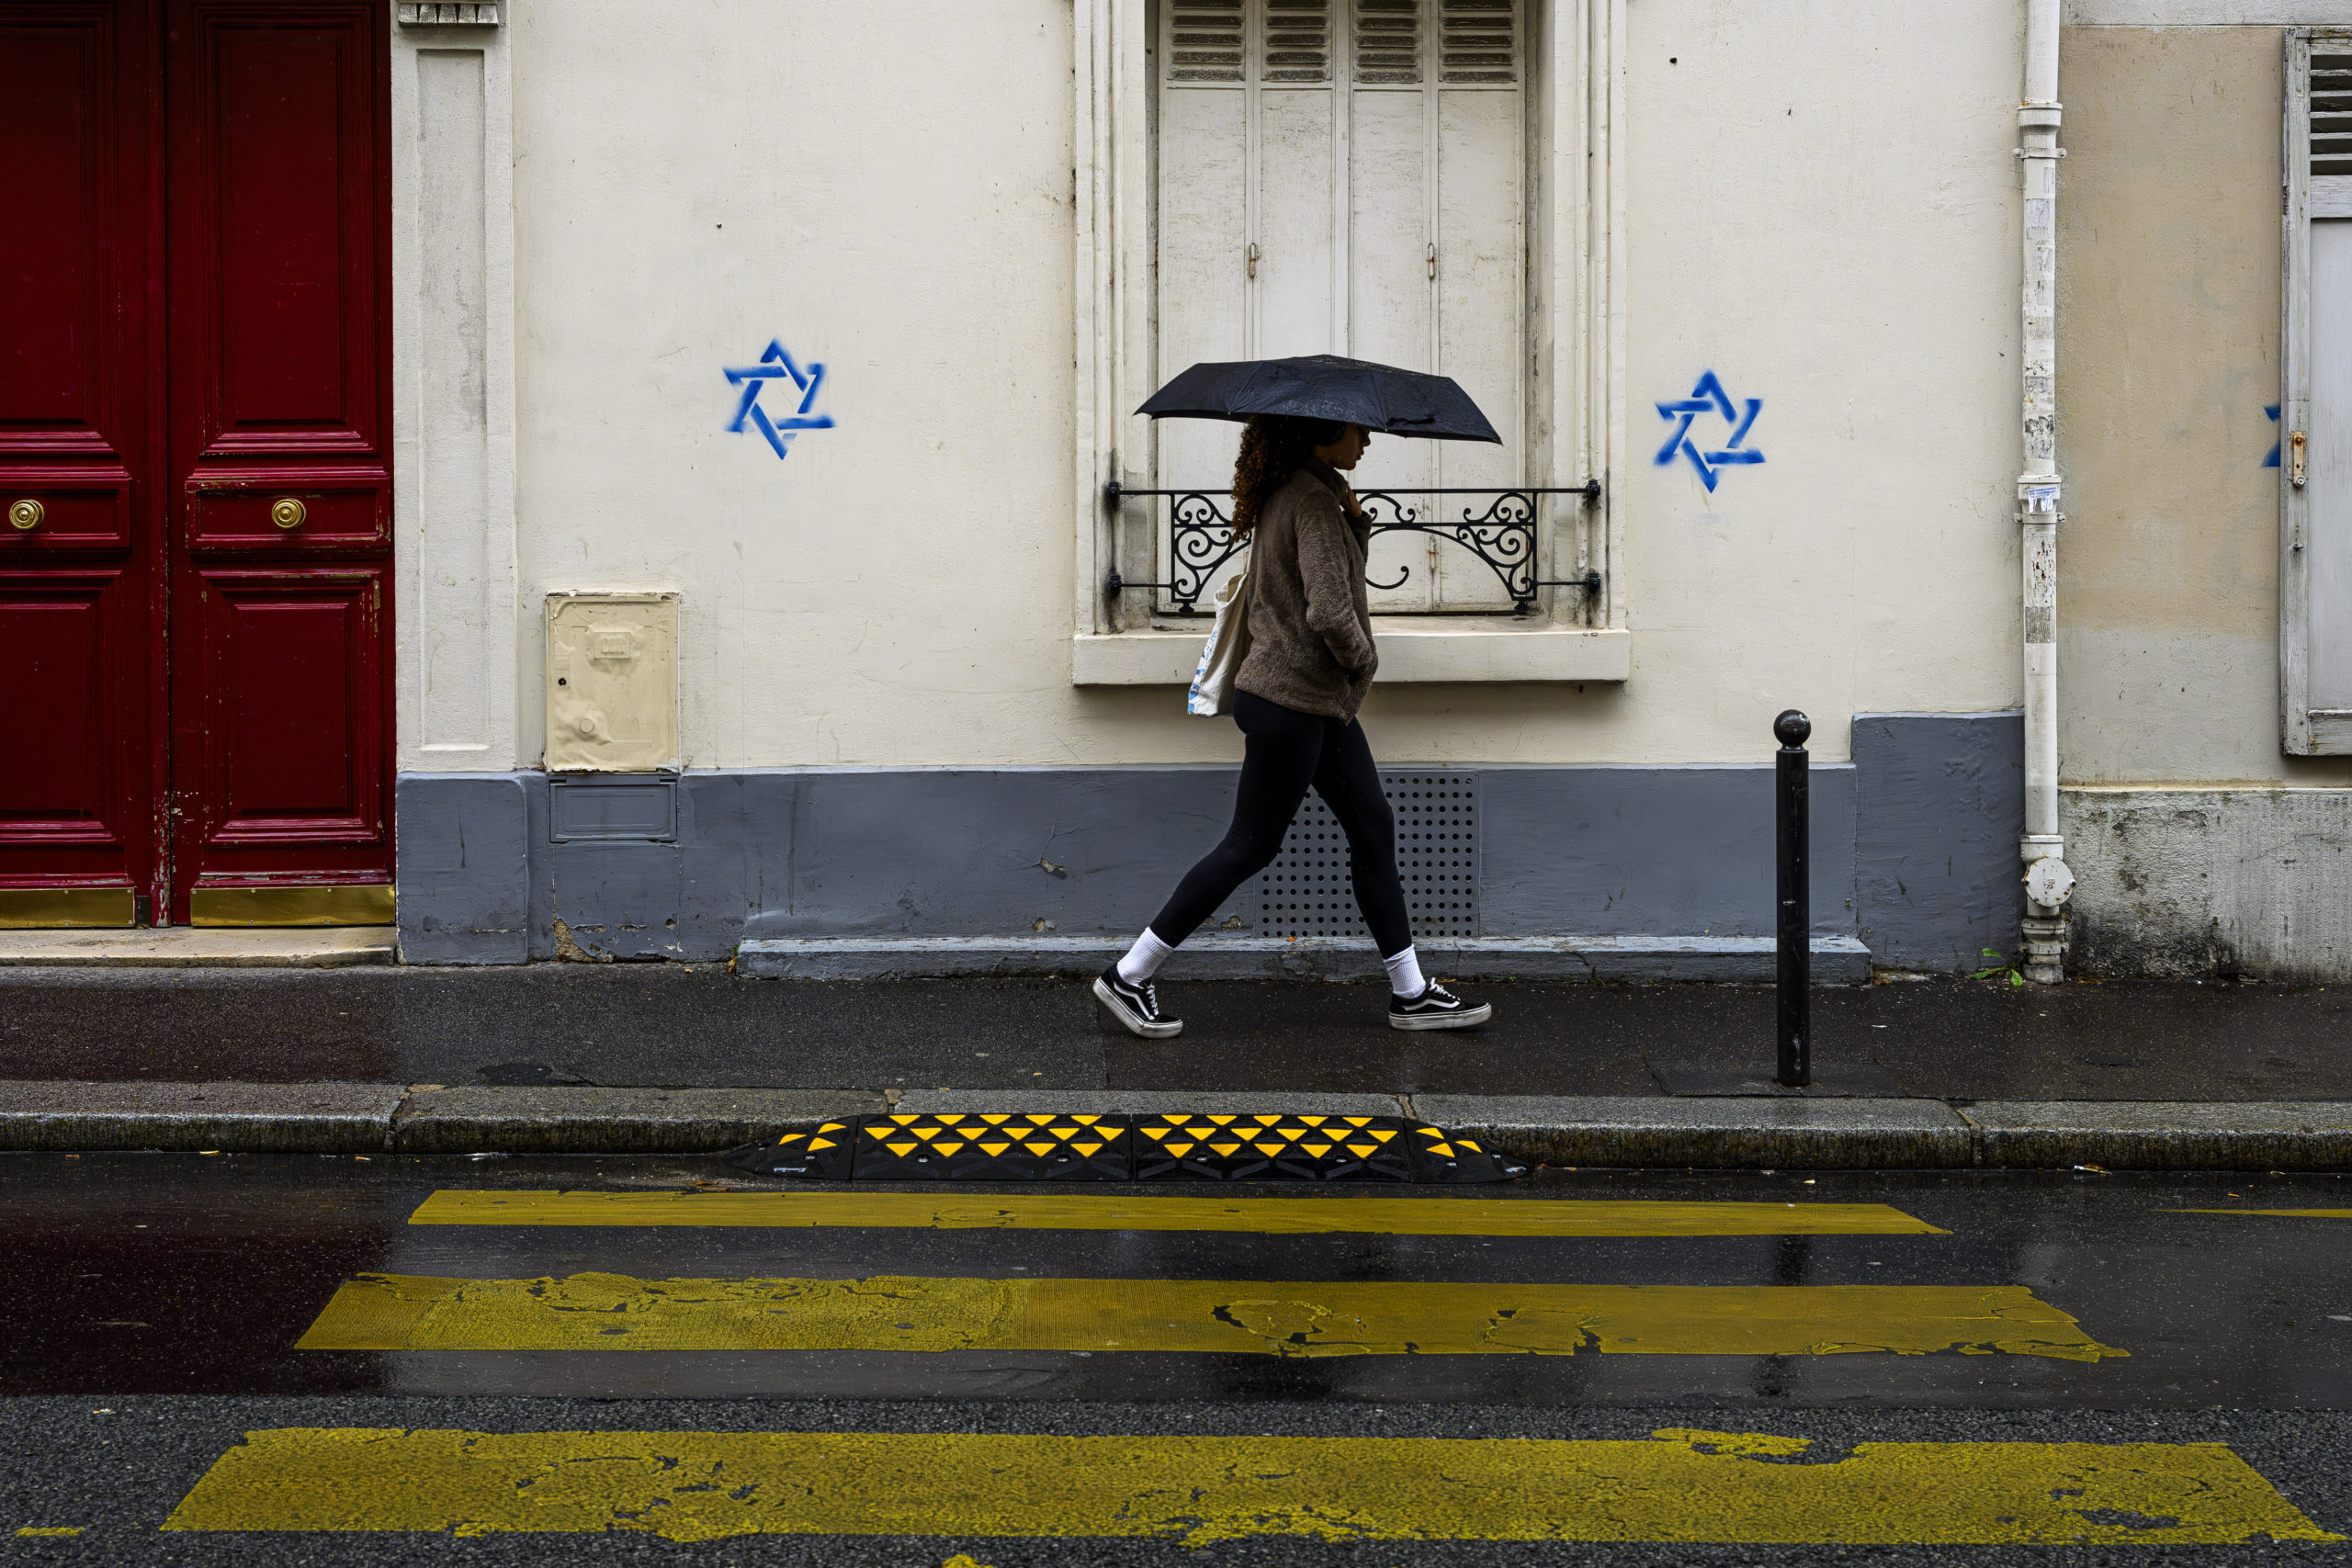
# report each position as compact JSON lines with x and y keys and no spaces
{"x":1718,"y":1134}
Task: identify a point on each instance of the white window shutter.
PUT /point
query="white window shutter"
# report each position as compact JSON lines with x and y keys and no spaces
{"x":2315,"y":404}
{"x":1348,"y":177}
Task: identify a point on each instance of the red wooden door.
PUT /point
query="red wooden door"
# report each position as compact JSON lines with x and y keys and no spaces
{"x":279,"y":489}
{"x":195,"y":418}
{"x":81,"y":497}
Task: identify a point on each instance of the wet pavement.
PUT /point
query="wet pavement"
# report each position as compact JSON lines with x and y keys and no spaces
{"x":375,"y":1324}
{"x":684,"y":1026}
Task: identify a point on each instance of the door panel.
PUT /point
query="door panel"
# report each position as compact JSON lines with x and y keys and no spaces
{"x":294,"y":694}
{"x":62,"y":641}
{"x":276,"y":230}
{"x":80,"y":787}
{"x":280,"y":404}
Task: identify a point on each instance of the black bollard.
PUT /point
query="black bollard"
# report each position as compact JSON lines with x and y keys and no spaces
{"x":1795,"y":901}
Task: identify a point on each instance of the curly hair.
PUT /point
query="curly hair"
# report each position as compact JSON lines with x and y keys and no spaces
{"x":1272,"y":447}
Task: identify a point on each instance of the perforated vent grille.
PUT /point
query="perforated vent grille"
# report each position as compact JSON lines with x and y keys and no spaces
{"x":1204,"y":41}
{"x":1298,"y":40}
{"x":1308,"y":892}
{"x":1480,"y":41}
{"x":2332,"y":114}
{"x":1389,"y":40}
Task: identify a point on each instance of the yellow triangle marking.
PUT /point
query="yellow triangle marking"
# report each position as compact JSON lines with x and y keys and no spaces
{"x":829,"y":1127}
{"x":1063,"y":1132}
{"x":1086,"y":1121}
{"x":1471,"y":1146}
{"x":1157,"y":1132}
{"x":948,"y":1149}
{"x":1445,"y":1149}
{"x":792,"y":1137}
{"x":878,"y":1132}
{"x":816,"y":1143}
{"x":1269,"y":1150}
{"x":1221,"y":1121}
{"x":992,"y":1150}
{"x":903,"y":1121}
{"x":1040,"y":1148}
{"x":1363,"y":1151}
{"x":1198,"y":1132}
{"x":995,"y":1118}
{"x":902,"y":1150}
{"x":1317,"y":1150}
{"x":928,"y":1132}
{"x":1086,"y":1150}
{"x":1288,"y":1134}
{"x":1358,"y":1121}
{"x":1223,"y":1148}
{"x":1309,"y":1120}
{"x":1180,"y":1150}
{"x":1431,"y":1132}
{"x":1383,"y":1137}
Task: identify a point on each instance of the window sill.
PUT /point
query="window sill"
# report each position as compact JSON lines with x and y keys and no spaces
{"x":1410,"y":650}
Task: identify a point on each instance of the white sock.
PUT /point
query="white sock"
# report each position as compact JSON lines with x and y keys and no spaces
{"x":1144,"y":959}
{"x":1404,"y":975}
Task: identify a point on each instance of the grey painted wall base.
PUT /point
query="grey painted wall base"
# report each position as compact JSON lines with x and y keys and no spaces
{"x":1620,"y":863}
{"x":1837,"y":960}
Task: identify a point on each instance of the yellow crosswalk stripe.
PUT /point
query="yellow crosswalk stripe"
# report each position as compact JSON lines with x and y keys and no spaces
{"x":1373,"y":1214}
{"x":2275,"y":1213}
{"x":617,"y":1311}
{"x":1679,"y":1485}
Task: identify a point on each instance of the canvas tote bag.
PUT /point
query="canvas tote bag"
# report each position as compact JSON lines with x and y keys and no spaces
{"x":1227,"y":646}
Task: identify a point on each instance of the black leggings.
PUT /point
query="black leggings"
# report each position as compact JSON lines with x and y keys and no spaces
{"x":1286,"y":751}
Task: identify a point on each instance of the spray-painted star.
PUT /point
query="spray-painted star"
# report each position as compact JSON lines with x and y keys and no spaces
{"x":775,"y":364}
{"x":1709,"y":397}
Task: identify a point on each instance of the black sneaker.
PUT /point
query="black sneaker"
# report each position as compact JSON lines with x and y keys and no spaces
{"x":1436,"y":1007}
{"x":1137,"y":1007}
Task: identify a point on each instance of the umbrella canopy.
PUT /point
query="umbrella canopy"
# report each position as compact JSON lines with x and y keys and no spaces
{"x":1321,"y":386}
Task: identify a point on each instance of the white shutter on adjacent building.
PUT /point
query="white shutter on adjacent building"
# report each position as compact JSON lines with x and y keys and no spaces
{"x":2315,"y":407}
{"x":1348,"y":177}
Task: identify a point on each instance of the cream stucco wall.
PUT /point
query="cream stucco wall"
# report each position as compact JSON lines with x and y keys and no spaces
{"x":2168,"y":355}
{"x":1820,"y":209}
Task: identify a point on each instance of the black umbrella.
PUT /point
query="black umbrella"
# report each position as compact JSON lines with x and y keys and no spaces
{"x":1321,"y":386}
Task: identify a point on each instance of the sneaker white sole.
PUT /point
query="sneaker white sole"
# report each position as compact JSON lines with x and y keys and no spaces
{"x":1149,"y":1030}
{"x":1468,"y":1018}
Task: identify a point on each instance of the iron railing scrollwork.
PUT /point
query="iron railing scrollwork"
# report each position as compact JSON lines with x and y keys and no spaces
{"x":1503,"y":535}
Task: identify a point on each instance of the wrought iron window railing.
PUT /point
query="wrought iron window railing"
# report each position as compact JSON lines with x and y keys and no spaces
{"x":1201,"y":541}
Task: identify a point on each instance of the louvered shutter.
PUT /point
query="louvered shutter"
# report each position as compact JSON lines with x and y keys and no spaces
{"x":2315,"y":407}
{"x":1367,"y":159}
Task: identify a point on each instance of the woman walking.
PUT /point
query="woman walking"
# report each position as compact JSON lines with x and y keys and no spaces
{"x":1311,"y":660}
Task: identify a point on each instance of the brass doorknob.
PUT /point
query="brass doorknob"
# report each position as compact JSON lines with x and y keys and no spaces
{"x":286,"y":512}
{"x":24,"y":513}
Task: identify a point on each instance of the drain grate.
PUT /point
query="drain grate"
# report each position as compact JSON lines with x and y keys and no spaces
{"x":1308,"y":891}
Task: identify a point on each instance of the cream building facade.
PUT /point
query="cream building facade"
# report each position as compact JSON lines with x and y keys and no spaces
{"x":778,"y":571}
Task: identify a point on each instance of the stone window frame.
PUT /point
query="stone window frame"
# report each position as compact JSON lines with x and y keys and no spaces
{"x":1577,"y":273}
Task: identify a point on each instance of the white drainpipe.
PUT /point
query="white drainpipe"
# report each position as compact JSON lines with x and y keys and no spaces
{"x":2048,"y":882}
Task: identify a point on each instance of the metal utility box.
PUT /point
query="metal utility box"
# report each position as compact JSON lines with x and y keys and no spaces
{"x":612,"y":682}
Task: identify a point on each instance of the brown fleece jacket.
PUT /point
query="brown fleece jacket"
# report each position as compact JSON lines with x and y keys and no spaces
{"x":1310,"y":624}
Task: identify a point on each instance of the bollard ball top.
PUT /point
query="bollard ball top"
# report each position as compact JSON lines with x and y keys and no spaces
{"x":1792,"y":727}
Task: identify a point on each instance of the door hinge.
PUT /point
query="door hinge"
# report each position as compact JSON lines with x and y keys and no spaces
{"x":1432,"y":260}
{"x":1252,"y":254}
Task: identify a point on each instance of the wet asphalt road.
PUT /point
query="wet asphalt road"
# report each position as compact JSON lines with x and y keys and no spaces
{"x":682,"y":1026}
{"x":155,"y":1301}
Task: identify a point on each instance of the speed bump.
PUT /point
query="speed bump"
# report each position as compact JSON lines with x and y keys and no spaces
{"x":1120,"y":1147}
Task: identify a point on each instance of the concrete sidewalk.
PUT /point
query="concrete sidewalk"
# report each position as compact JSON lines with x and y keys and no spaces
{"x":662,"y":1058}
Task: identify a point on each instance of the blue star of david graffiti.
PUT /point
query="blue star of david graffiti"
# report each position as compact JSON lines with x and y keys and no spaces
{"x":1709,"y":397}
{"x":776,"y":365}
